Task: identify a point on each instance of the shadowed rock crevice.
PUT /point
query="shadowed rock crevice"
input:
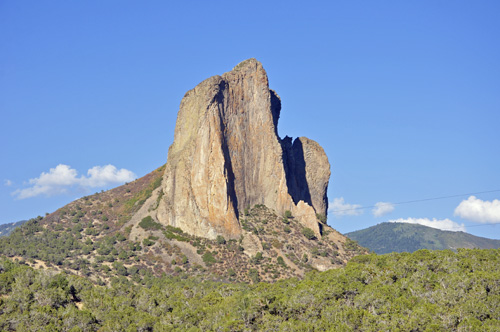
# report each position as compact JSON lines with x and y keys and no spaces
{"x":295,"y":169}
{"x":275,"y":109}
{"x":228,"y":166}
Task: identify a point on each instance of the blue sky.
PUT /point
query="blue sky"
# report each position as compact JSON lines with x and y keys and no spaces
{"x":403,"y":96}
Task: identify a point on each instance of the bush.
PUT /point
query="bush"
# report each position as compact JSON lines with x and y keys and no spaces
{"x":308,"y":233}
{"x":208,"y":258}
{"x":281,"y":261}
{"x":254,"y":275}
{"x":149,"y":224}
{"x":220,"y":239}
{"x":258,"y":257}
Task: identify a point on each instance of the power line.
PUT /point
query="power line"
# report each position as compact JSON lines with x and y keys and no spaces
{"x":488,"y":224}
{"x":417,"y":200}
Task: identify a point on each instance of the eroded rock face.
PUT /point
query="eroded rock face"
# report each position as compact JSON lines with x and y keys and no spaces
{"x":227,"y":156}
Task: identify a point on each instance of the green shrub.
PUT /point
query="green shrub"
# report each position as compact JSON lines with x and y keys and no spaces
{"x":208,"y":258}
{"x":281,"y":261}
{"x":254,"y":275}
{"x":220,"y":239}
{"x":257,"y":258}
{"x":308,"y":233}
{"x":149,"y":224}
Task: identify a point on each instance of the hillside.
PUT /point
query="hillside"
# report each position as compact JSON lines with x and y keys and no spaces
{"x":422,"y":291}
{"x":94,"y":236}
{"x":400,"y":237}
{"x":6,"y":229}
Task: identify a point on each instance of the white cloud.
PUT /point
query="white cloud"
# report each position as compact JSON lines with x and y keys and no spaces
{"x":382,"y":208}
{"x":8,"y":183}
{"x":340,"y":208}
{"x":477,"y":210}
{"x":444,"y":224}
{"x":99,"y":176}
{"x":62,"y":178}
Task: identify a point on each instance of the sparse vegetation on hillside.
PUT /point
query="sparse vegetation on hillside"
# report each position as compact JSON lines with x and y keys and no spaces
{"x":79,"y":240}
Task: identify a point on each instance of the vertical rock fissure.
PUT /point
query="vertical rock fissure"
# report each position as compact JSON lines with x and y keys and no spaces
{"x":228,"y":166}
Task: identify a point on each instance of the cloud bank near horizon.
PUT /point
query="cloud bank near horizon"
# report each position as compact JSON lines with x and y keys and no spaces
{"x":62,"y":179}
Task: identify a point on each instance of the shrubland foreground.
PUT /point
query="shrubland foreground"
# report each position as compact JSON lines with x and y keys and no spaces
{"x":422,"y":291}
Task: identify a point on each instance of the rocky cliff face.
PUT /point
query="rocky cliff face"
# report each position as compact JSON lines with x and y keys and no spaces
{"x":227,"y":156}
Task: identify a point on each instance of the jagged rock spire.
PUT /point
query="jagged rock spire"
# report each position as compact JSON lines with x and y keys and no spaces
{"x":227,"y":155}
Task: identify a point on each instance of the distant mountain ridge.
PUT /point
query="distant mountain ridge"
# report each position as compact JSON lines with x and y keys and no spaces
{"x":401,"y":237}
{"x":6,"y":229}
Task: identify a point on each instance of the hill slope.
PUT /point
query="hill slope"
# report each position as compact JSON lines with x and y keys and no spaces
{"x":6,"y":229}
{"x":399,"y":237}
{"x":96,"y":236}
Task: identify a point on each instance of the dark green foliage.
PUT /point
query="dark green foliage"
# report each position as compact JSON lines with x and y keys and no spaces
{"x":53,"y":247}
{"x":398,"y":237}
{"x":257,"y":258}
{"x":147,"y":242}
{"x":352,"y":245}
{"x":149,"y":224}
{"x":254,"y":275}
{"x":308,"y":233}
{"x":281,"y":261}
{"x":208,"y":258}
{"x":220,"y":239}
{"x":175,"y":233}
{"x":423,"y":291}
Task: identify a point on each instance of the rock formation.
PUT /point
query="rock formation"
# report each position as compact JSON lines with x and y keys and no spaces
{"x":227,"y":156}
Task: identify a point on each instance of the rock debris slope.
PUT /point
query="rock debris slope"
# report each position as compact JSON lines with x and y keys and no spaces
{"x":227,"y":156}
